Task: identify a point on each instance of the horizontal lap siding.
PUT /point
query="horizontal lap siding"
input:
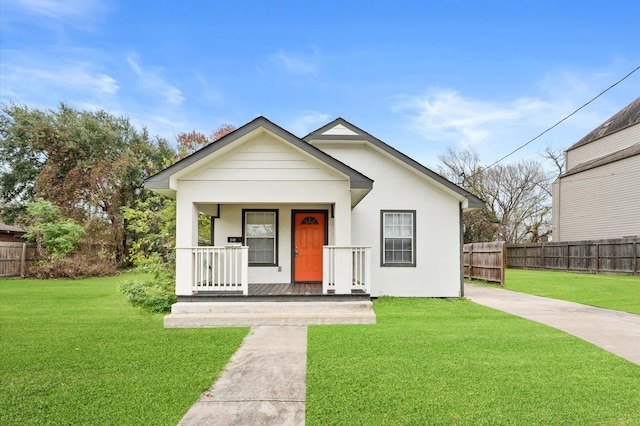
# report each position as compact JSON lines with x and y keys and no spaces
{"x":264,"y":158}
{"x":604,"y":146}
{"x":601,"y":203}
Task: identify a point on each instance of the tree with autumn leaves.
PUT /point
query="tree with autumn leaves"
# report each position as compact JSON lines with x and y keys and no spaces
{"x":89,"y":166}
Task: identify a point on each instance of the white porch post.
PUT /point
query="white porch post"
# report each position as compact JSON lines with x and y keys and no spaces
{"x":342,"y":238}
{"x":186,"y":238}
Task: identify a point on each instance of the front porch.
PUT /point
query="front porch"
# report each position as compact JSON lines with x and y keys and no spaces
{"x":221,"y":295}
{"x":223,"y":272}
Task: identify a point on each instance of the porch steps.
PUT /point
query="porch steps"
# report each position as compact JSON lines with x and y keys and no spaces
{"x":249,"y":314}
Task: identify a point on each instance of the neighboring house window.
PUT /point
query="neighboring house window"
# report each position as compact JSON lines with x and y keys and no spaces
{"x":260,"y":234}
{"x":398,"y":246}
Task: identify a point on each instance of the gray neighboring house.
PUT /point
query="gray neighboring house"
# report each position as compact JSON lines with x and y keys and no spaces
{"x":598,"y":196}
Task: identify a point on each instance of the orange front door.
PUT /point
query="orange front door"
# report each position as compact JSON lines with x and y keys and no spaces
{"x":309,"y":236}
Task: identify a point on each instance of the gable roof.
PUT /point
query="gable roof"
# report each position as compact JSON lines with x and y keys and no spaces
{"x":160,"y":182}
{"x":626,"y":117}
{"x":340,"y":129}
{"x":623,"y":154}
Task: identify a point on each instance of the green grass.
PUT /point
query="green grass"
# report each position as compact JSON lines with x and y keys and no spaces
{"x":75,"y":352}
{"x":431,"y":361}
{"x":618,"y":292}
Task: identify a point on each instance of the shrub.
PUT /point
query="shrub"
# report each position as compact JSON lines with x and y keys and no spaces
{"x":74,"y":266}
{"x":155,"y":293}
{"x":55,"y":235}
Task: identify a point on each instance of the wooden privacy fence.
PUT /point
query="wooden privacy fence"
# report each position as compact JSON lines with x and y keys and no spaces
{"x":485,"y":261}
{"x":596,"y":256}
{"x":14,"y":258}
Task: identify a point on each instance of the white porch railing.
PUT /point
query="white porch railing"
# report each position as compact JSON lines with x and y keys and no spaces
{"x":346,"y":269}
{"x":221,"y":269}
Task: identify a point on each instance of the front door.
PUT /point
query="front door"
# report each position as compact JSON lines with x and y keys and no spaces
{"x":309,"y":235}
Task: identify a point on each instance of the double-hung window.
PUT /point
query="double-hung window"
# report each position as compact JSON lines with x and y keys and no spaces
{"x":398,"y":245}
{"x":261,"y":235}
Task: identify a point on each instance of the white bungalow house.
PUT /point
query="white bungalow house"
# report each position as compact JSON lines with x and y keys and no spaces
{"x":338,"y":212}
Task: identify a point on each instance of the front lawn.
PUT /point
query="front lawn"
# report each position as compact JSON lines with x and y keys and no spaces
{"x":618,"y":292}
{"x":431,"y":361}
{"x":75,"y":352}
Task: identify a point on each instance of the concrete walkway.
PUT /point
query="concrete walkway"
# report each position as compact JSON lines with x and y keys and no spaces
{"x":615,"y":331}
{"x":264,"y":384}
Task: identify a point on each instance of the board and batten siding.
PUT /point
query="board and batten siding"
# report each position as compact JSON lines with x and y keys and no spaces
{"x":603,"y":146}
{"x":599,"y":203}
{"x":264,"y":159}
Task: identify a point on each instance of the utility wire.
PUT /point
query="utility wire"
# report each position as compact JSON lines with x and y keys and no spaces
{"x":559,"y":122}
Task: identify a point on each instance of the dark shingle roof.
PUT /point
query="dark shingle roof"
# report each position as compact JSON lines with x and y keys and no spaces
{"x":626,"y":117}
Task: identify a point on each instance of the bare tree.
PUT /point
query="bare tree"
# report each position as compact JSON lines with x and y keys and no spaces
{"x":516,"y":195}
{"x":556,"y":157}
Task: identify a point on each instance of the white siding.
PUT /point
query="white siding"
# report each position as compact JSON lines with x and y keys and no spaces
{"x":339,"y":130}
{"x":601,"y":147}
{"x":437,"y":271}
{"x":600,"y":203}
{"x":264,"y":158}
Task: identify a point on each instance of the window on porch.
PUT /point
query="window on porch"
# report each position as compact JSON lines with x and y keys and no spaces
{"x":260,"y":229}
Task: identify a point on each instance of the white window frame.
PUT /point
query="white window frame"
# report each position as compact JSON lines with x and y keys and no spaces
{"x":269,"y":231}
{"x":393,"y":229}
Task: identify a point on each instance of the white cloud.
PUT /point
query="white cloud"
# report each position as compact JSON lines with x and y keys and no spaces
{"x":150,"y":79}
{"x":77,"y":77}
{"x":297,"y":63}
{"x":495,"y":127}
{"x":446,"y":115}
{"x":54,"y":14}
{"x":60,"y":9}
{"x":306,"y":122}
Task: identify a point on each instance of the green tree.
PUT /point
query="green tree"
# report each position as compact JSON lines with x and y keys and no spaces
{"x":89,"y":164}
{"x":56,"y":236}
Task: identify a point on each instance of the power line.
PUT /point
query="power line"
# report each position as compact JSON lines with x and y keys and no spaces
{"x":559,"y":122}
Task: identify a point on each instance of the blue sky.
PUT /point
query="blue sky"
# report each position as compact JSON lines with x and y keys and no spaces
{"x":420,"y":75}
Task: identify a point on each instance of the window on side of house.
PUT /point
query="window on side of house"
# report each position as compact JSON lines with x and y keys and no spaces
{"x":398,"y":245}
{"x":260,"y":228}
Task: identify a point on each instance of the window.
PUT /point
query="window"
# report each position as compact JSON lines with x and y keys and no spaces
{"x":260,"y":234}
{"x":398,"y":246}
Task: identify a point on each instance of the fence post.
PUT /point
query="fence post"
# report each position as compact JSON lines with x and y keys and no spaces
{"x":503,"y":277}
{"x":23,"y":260}
{"x":471,"y":261}
{"x":635,"y":257}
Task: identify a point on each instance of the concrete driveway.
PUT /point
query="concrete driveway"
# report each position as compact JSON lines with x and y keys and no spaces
{"x":615,"y":331}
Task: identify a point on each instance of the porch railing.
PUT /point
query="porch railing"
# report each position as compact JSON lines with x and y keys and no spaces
{"x":221,"y":269}
{"x":346,"y":269}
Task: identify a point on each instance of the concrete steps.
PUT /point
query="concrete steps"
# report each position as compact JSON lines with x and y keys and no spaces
{"x":249,"y":314}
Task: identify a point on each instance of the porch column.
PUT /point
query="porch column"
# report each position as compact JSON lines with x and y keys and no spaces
{"x":342,"y":238}
{"x":186,"y":238}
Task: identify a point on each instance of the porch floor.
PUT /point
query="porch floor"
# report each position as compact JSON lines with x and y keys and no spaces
{"x":302,"y":289}
{"x":274,"y":292}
